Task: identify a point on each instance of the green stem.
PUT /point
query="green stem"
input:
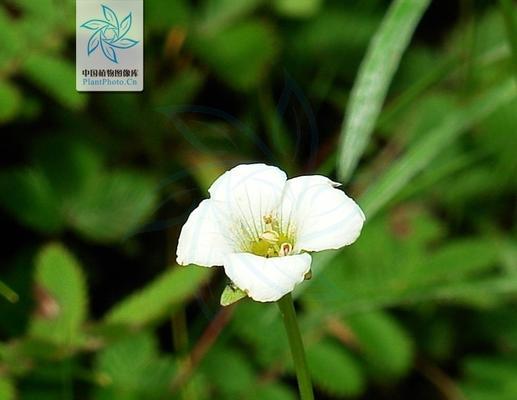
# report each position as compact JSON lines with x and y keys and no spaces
{"x":179,"y":329}
{"x":180,"y":342}
{"x":288,"y":312}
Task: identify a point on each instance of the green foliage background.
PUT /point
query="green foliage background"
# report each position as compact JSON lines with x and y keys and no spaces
{"x":412,"y":104}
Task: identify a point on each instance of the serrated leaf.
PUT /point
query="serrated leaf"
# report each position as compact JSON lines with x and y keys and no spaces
{"x":56,"y":77}
{"x":334,"y":370}
{"x":131,"y":369}
{"x":159,"y":298}
{"x":115,"y":205}
{"x":385,"y":344}
{"x":124,"y":362}
{"x":61,"y":297}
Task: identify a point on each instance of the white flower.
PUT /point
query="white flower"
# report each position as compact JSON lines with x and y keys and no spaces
{"x":260,"y":225}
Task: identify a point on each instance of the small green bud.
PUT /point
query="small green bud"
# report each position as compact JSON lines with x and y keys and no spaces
{"x":231,"y":294}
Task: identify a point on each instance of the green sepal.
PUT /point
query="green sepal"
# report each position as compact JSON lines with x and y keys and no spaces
{"x":231,"y":294}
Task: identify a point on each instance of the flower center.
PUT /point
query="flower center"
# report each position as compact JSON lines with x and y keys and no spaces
{"x":272,"y":242}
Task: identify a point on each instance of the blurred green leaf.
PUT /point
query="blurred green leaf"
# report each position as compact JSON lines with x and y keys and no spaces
{"x":61,"y":297}
{"x":271,"y":391}
{"x":490,"y":378}
{"x":163,"y":16}
{"x":44,"y":8}
{"x":297,"y":8}
{"x":336,"y":34}
{"x":56,"y":77}
{"x":422,"y":116}
{"x":499,"y":327}
{"x":70,"y":164}
{"x":239,"y":54}
{"x":334,"y":370}
{"x":181,"y":89}
{"x":384,"y":342}
{"x":402,"y":269}
{"x":266,"y":335}
{"x":508,"y":10}
{"x":132,"y":369}
{"x":160,"y":297}
{"x":115,"y":205}
{"x":7,"y":391}
{"x":374,"y":77}
{"x":459,"y":259}
{"x":10,"y":101}
{"x":422,"y":153}
{"x":12,"y":41}
{"x":218,"y":14}
{"x":30,"y":199}
{"x":235,"y":378}
{"x":497,"y":138}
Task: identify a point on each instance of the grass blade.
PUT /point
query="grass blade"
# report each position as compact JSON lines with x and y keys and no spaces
{"x":431,"y":144}
{"x":420,"y":156}
{"x":375,"y":74}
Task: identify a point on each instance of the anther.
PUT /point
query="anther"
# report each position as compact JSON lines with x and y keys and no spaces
{"x":285,"y":249}
{"x":270,"y":236}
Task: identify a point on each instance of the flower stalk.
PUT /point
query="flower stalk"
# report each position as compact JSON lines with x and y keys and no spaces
{"x":288,"y":312}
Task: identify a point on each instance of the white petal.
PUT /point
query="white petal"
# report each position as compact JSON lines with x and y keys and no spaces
{"x":321,"y":216}
{"x":201,"y":240}
{"x":247,"y":193}
{"x":266,"y":279}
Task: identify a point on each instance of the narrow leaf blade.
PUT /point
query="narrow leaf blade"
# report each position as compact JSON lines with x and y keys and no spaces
{"x":160,"y":297}
{"x":375,"y":74}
